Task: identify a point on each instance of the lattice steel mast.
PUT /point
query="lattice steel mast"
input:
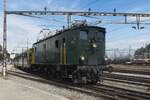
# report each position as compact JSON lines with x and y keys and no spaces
{"x":4,"y":68}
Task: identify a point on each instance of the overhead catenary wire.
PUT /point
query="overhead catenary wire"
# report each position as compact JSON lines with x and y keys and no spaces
{"x":48,"y":19}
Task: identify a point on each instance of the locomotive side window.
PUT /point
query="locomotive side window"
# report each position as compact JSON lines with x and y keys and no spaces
{"x":83,"y":35}
{"x":64,"y":40}
{"x":44,"y":50}
{"x":56,"y":44}
{"x":44,"y":46}
{"x":35,"y":49}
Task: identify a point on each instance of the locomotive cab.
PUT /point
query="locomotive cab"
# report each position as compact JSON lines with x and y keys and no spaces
{"x":91,"y":44}
{"x":86,"y":50}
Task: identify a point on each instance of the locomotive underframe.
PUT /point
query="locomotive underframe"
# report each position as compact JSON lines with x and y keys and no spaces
{"x":76,"y":73}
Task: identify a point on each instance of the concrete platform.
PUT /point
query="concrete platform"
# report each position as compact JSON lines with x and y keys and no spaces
{"x":10,"y":90}
{"x":13,"y":90}
{"x":9,"y":67}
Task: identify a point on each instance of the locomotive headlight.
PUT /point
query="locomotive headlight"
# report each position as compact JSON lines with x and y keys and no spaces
{"x":82,"y":58}
{"x":94,"y":45}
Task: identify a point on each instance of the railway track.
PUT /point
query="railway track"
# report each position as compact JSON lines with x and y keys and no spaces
{"x":132,"y":70}
{"x":121,"y":93}
{"x":128,"y":82}
{"x":130,"y":78}
{"x":100,"y":90}
{"x":135,"y":69}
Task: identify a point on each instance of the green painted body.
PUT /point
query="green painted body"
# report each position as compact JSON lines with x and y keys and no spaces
{"x":77,"y":46}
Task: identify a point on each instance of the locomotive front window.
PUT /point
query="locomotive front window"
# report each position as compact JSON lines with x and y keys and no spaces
{"x":56,"y":43}
{"x":44,"y":46}
{"x":83,"y":35}
{"x":100,"y":36}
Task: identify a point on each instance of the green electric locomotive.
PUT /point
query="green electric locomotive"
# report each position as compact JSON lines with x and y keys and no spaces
{"x":76,"y":53}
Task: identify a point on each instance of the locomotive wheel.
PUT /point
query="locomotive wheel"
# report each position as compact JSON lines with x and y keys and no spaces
{"x":78,"y":78}
{"x":74,"y":78}
{"x":110,"y":69}
{"x":58,"y":75}
{"x":94,"y":82}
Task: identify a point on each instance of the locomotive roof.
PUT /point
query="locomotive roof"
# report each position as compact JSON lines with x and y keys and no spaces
{"x":72,"y":28}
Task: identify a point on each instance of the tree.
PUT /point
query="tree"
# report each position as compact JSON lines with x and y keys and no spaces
{"x":142,"y":50}
{"x":1,"y":53}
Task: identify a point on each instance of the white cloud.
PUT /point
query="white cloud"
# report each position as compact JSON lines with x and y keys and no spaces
{"x":19,"y":29}
{"x":135,"y":42}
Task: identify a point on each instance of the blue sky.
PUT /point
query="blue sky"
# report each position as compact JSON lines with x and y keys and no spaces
{"x":21,"y":28}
